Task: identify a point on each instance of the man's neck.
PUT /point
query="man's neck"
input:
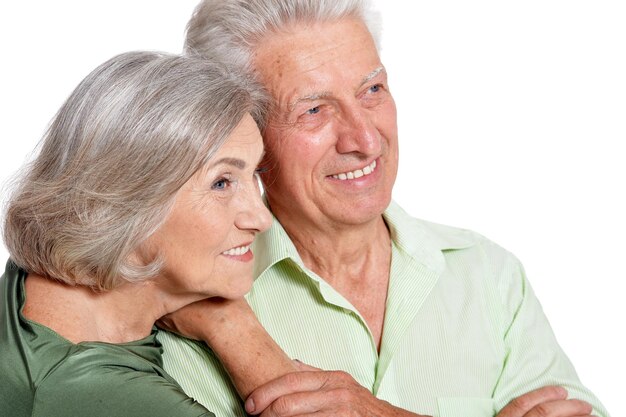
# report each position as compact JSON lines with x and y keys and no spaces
{"x":338,"y":252}
{"x":354,"y":260}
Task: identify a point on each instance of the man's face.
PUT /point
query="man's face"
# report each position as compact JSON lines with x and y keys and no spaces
{"x":331,"y":140}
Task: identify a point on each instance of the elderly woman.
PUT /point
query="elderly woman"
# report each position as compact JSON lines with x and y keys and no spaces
{"x":142,"y":200}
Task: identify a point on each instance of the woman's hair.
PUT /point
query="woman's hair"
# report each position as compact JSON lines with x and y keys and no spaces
{"x":112,"y":160}
{"x":230,"y":29}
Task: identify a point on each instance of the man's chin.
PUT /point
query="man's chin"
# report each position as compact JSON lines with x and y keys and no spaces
{"x":360,"y":212}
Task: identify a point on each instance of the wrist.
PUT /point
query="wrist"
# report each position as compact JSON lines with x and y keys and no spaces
{"x":229,"y":320}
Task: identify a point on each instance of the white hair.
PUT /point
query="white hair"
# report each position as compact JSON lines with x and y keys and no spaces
{"x":230,"y":29}
{"x":114,"y":157}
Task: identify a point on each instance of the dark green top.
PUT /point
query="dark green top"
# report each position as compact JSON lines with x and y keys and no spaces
{"x":44,"y":375}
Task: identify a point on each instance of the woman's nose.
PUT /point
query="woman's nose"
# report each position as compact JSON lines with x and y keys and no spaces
{"x":254,"y":215}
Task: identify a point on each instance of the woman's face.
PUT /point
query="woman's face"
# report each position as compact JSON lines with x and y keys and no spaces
{"x":205,"y":241}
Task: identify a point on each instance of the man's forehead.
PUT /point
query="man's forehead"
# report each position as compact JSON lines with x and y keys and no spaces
{"x":312,"y":62}
{"x":301,"y":46}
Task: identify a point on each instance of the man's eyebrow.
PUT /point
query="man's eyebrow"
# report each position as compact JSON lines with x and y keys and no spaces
{"x":308,"y":97}
{"x":372,"y":75}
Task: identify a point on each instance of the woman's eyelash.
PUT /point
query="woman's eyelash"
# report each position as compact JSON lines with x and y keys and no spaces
{"x":221,"y":184}
{"x":224,"y":182}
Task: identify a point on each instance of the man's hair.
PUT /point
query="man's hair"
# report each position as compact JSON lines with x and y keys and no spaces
{"x":112,"y":160}
{"x":230,"y":29}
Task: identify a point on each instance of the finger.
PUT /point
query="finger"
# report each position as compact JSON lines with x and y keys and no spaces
{"x":561,"y":408}
{"x":303,"y":403}
{"x":524,"y":403}
{"x":287,"y":384}
{"x":316,"y":414}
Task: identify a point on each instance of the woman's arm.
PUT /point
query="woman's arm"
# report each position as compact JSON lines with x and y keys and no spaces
{"x":231,"y":329}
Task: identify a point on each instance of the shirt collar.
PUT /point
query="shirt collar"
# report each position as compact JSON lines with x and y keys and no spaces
{"x":424,"y":241}
{"x":421,"y":240}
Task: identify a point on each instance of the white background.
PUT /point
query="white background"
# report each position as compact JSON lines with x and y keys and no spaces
{"x":512,"y":120}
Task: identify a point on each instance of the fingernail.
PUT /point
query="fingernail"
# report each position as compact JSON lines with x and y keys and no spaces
{"x":250,"y":409}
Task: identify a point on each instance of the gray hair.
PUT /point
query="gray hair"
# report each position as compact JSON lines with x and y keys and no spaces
{"x":230,"y":29}
{"x":112,"y":160}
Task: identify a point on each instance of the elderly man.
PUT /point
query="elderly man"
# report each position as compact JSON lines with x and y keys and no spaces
{"x":432,"y":319}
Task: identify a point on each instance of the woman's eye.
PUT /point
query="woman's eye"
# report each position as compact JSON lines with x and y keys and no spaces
{"x":220,"y":184}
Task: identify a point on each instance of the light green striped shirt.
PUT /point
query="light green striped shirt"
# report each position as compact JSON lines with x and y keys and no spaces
{"x":463,"y":332}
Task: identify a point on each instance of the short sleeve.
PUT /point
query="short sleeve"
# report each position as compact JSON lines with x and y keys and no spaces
{"x":111,"y":392}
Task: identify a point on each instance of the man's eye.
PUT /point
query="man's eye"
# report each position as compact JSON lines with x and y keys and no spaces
{"x":375,"y":88}
{"x":313,"y":110}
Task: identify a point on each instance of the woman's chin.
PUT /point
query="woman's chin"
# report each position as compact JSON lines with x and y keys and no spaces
{"x":235,"y":292}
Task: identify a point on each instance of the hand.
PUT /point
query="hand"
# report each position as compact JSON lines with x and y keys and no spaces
{"x":323,"y":393}
{"x":548,"y":401}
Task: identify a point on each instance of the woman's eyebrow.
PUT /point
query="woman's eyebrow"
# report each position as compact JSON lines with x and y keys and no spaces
{"x":238,"y":163}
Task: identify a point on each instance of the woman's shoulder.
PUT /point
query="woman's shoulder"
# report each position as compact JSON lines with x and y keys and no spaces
{"x":108,"y":380}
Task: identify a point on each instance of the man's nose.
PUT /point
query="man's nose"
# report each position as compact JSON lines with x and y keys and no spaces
{"x":358,"y":133}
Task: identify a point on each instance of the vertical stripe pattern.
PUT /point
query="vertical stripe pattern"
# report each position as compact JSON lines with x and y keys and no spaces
{"x":463,"y":334}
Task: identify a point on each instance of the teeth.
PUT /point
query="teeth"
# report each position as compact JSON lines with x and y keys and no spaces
{"x":237,"y":251}
{"x":357,"y":173}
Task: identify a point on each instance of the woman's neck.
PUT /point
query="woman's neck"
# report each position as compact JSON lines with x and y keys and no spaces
{"x":79,"y":314}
